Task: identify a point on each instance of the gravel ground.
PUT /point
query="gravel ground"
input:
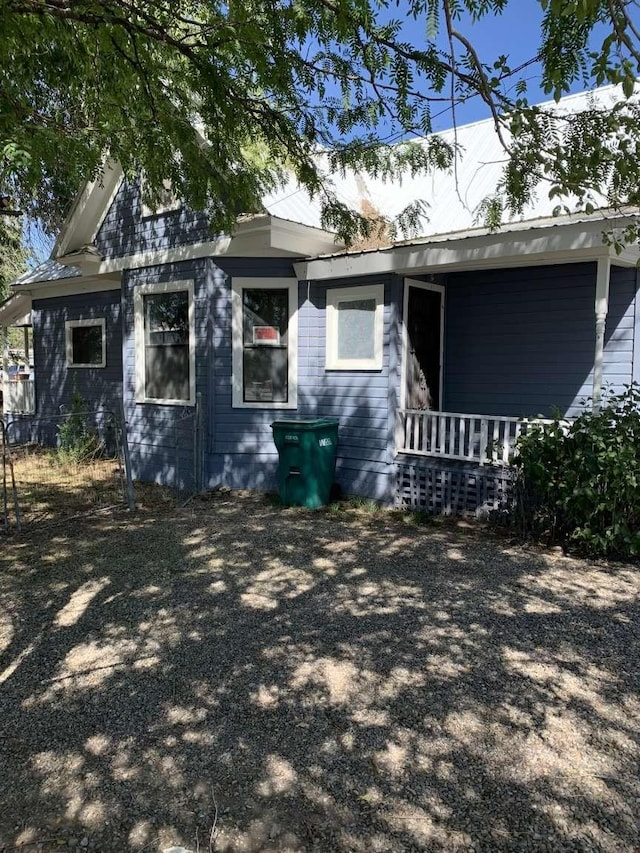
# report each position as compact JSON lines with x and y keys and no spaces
{"x":237,"y":677}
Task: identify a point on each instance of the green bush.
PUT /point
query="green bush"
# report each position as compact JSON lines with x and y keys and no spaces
{"x":77,"y":442}
{"x":578,"y":483}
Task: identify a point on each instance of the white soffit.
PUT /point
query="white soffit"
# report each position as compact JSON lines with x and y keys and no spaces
{"x":16,"y":310}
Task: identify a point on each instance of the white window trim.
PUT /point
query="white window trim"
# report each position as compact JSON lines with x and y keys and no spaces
{"x":237,"y":286}
{"x":354,"y":294}
{"x":69,"y":326}
{"x":424,"y":285}
{"x":141,"y":291}
{"x":172,"y":206}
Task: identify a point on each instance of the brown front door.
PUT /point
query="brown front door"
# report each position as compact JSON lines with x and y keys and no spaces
{"x":424,"y":347}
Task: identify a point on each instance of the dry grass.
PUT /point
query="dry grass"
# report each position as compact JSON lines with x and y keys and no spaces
{"x":51,"y":487}
{"x":331,"y":681}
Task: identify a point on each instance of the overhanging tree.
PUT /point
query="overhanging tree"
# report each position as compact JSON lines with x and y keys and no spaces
{"x":13,"y":254}
{"x":270,"y":83}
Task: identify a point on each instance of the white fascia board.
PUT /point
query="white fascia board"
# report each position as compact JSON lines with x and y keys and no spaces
{"x":71,"y":286}
{"x":298,"y":239}
{"x":247,"y":241}
{"x":15,"y":310}
{"x":157,"y":257}
{"x":628,"y":257}
{"x":89,"y":210}
{"x":553,"y":245}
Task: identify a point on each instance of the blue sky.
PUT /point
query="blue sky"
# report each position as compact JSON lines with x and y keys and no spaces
{"x":516,"y":33}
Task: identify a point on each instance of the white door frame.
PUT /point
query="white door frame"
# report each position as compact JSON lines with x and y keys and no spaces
{"x":424,"y":285}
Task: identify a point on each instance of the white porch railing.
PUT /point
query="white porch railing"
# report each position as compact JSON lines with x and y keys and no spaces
{"x":477,"y":438}
{"x":19,"y":397}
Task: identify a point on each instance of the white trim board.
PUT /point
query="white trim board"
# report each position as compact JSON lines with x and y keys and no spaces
{"x":140,"y":363}
{"x":338,"y":295}
{"x":69,"y":326}
{"x":69,"y":287}
{"x":571,"y":243}
{"x":424,"y":285}
{"x":237,"y":331}
{"x":89,"y":210}
{"x":16,"y":307}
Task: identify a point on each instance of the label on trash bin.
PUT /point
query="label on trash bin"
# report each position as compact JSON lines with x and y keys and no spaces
{"x":293,"y":437}
{"x":325,"y":442}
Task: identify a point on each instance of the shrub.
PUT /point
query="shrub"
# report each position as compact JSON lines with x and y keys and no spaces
{"x":578,"y":483}
{"x":77,"y":442}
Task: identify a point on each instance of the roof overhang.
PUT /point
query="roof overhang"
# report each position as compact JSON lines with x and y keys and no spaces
{"x":260,"y":236}
{"x":533,"y":246}
{"x":16,"y":311}
{"x":88,"y":211}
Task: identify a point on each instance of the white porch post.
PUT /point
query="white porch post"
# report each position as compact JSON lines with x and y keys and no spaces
{"x":602,"y":309}
{"x":5,"y":351}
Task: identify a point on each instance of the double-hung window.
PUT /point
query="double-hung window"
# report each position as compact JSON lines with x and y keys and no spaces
{"x":86,"y":343}
{"x":165,"y":343}
{"x":265,"y":321}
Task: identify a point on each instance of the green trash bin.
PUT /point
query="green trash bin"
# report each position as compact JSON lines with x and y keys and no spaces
{"x":307,"y":451}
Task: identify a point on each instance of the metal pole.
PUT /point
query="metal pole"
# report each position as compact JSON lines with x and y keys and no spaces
{"x":131,"y":495}
{"x":197,"y":438}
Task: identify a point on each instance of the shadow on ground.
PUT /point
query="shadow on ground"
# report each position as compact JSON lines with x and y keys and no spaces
{"x":322,"y":682}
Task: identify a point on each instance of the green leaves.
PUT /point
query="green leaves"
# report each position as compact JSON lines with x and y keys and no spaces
{"x":82,"y":79}
{"x":577,"y":483}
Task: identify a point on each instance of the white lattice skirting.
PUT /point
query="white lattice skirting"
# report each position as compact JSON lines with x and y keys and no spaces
{"x":447,"y":487}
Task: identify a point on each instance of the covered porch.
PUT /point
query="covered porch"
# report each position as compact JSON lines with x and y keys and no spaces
{"x":452,"y":463}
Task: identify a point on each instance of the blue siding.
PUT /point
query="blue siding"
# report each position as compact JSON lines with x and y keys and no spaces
{"x":161,"y":437}
{"x":521,"y":341}
{"x":364,"y":401}
{"x":54,"y":380}
{"x":241,"y":449}
{"x":240,"y":444}
{"x":125,"y":232}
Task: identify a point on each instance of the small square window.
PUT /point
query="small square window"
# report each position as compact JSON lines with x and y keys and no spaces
{"x":86,"y":343}
{"x":354,"y":328}
{"x":167,"y":203}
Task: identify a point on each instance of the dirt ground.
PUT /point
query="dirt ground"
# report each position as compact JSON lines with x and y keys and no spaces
{"x":234,"y":676}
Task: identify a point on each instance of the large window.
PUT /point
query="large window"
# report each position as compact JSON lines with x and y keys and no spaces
{"x":355,"y":328}
{"x":86,"y":343}
{"x":165,"y":343}
{"x":264,"y":343}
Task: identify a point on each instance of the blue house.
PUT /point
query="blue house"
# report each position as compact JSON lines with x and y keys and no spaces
{"x":430,"y":351}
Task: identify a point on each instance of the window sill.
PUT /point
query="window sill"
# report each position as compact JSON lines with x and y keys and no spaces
{"x":86,"y":366}
{"x":153,"y":401}
{"x":368,"y":366}
{"x":265,"y":406}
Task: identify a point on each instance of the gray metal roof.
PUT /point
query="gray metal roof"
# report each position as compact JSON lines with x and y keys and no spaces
{"x":453,"y":197}
{"x":47,"y":271}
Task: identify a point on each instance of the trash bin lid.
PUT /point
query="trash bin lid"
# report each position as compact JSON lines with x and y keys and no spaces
{"x":300,"y":424}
